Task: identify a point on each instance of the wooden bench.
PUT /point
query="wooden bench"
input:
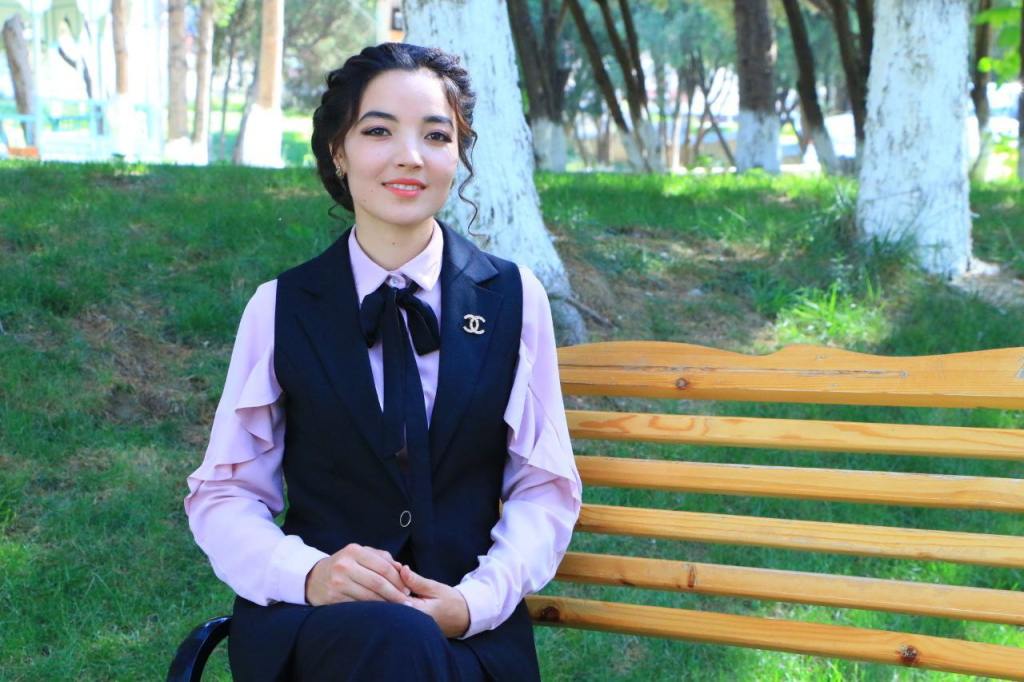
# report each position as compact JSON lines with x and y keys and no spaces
{"x":796,"y":374}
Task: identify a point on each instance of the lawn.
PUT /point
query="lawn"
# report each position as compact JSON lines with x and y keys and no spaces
{"x":121,"y":287}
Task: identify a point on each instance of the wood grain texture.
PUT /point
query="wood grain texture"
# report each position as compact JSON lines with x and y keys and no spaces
{"x":894,"y":596}
{"x":858,"y":644}
{"x":795,"y":374}
{"x":837,"y":485}
{"x":811,"y":536}
{"x":798,"y":434}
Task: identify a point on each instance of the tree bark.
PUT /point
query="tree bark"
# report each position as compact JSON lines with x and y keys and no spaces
{"x":757,"y":141}
{"x":178,"y":145}
{"x":204,"y":81}
{"x":510,"y":223}
{"x":856,"y":66}
{"x":259,"y":142}
{"x":807,"y":87}
{"x":604,"y":83}
{"x":544,"y":79}
{"x":979,"y":94}
{"x":913,"y":178}
{"x":21,"y":73}
{"x":644,"y":137}
{"x":121,"y":107}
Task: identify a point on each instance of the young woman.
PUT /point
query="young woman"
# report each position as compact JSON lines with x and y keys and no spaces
{"x":395,"y":559}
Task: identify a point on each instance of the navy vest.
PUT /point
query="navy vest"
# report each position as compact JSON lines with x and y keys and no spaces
{"x":343,"y":488}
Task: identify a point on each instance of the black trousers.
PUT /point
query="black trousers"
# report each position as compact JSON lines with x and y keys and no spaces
{"x":378,"y":641}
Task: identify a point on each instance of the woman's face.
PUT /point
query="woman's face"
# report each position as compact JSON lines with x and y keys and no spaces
{"x":405,"y":134}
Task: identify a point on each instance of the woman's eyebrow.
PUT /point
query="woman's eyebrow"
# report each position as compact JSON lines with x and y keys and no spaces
{"x":391,"y":117}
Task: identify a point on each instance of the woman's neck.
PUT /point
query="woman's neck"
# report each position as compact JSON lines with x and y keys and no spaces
{"x":391,"y":246}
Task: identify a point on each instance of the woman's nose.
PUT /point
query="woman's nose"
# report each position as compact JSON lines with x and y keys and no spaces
{"x":409,"y":153}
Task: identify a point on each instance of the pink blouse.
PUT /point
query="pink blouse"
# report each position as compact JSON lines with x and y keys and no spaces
{"x":237,"y":491}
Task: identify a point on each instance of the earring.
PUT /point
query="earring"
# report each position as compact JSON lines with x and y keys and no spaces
{"x":339,"y":172}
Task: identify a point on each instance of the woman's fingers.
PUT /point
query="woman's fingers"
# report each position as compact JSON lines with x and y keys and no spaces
{"x":383,"y":568}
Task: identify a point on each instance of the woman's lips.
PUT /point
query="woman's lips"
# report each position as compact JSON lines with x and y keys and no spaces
{"x":404,"y":192}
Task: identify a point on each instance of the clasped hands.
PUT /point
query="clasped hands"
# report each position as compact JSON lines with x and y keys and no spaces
{"x":358,"y":573}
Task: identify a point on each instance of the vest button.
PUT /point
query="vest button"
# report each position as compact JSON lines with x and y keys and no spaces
{"x":405,"y":519}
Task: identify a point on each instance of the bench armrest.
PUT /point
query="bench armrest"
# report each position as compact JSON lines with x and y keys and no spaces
{"x":190,"y":658}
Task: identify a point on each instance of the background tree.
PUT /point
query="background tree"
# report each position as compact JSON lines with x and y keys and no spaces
{"x":259,"y":139}
{"x":509,"y":222}
{"x":544,"y":78}
{"x":913,"y":178}
{"x":637,"y":156}
{"x":204,"y":84}
{"x":979,"y":91}
{"x":812,"y":120}
{"x":179,"y":147}
{"x":757,"y":141}
{"x":21,"y":73}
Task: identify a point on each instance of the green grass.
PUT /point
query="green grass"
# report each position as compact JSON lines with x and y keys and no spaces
{"x":121,"y":287}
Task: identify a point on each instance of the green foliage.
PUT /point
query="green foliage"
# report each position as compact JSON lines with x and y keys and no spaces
{"x":1005,"y":22}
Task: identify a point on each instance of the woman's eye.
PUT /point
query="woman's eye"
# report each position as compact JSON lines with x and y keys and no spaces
{"x":373,"y":131}
{"x":443,"y":137}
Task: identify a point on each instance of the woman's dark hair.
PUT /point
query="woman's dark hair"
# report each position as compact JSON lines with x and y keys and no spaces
{"x":339,"y":106}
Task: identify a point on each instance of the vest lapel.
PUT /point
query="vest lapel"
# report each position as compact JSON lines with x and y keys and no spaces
{"x":462,"y":353}
{"x":330,"y":320}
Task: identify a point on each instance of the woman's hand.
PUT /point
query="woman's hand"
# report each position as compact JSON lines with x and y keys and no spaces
{"x":356,"y":573}
{"x":444,"y":604}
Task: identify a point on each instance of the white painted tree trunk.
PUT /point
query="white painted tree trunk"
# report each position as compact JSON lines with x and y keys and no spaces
{"x":204,"y":79}
{"x":757,"y":141}
{"x":121,"y":106}
{"x":913,"y":176}
{"x":652,"y":145}
{"x":823,"y":148}
{"x":549,"y":144}
{"x":509,"y":221}
{"x":260,"y":145}
{"x":179,"y":147}
{"x":634,"y":151}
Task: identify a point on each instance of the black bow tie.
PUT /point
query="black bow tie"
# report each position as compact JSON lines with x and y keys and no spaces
{"x":426,"y":337}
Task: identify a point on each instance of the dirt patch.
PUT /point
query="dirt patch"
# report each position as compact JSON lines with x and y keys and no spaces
{"x":994,"y":285}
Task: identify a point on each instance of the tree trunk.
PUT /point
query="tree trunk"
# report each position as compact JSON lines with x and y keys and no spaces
{"x":510,"y":223}
{"x":643,"y":145}
{"x":807,"y":87}
{"x":757,"y":141}
{"x":179,"y":147}
{"x":544,"y":81}
{"x":121,"y":107}
{"x":913,"y":178}
{"x":604,"y":84}
{"x":856,"y":65}
{"x":204,"y":82}
{"x":21,"y":73}
{"x":250,"y":100}
{"x":259,"y":143}
{"x":979,"y":94}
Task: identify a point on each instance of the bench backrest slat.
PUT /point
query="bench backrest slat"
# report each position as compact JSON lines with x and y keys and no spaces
{"x":873,"y":487}
{"x":800,"y":587}
{"x":795,"y":374}
{"x":798,"y":434}
{"x":816,"y":639}
{"x":811,"y":536}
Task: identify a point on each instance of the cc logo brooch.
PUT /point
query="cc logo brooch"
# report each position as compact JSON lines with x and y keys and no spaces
{"x":474,"y":322}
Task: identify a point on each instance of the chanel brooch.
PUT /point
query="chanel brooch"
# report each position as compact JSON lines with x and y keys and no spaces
{"x":473,"y":324}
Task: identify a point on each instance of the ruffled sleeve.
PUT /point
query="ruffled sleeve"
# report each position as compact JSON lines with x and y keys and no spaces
{"x":535,"y":414}
{"x":248,"y":413}
{"x":541,"y":488}
{"x":237,"y":491}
